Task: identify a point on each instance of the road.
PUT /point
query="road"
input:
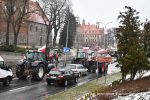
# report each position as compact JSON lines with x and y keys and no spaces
{"x":28,"y":89}
{"x":31,"y":90}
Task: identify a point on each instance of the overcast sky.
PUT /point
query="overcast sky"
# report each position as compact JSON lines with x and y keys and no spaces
{"x":108,"y":10}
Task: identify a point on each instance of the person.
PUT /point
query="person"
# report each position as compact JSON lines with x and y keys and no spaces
{"x":56,"y":56}
{"x":51,"y":57}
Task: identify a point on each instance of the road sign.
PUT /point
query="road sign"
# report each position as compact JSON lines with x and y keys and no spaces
{"x":66,"y":50}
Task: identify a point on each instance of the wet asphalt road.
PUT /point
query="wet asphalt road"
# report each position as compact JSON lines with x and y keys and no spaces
{"x":31,"y":90}
{"x":28,"y":89}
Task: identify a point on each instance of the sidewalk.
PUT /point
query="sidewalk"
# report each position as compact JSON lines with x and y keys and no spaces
{"x":90,"y":87}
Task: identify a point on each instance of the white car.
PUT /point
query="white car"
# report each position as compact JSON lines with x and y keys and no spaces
{"x":78,"y":68}
{"x":6,"y":73}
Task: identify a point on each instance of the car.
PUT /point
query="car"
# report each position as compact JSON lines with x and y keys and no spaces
{"x":6,"y":73}
{"x":50,"y":66}
{"x":61,"y":76}
{"x":78,"y":68}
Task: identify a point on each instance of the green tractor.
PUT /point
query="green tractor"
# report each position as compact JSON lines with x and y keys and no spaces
{"x":33,"y":64}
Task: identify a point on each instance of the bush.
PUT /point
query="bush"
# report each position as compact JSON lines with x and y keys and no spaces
{"x":19,"y":49}
{"x":9,"y":48}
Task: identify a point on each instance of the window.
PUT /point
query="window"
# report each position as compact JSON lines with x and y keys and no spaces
{"x":40,"y":41}
{"x":36,"y":29}
{"x":31,"y":27}
{"x":41,"y":29}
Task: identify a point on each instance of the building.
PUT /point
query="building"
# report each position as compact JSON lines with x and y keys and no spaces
{"x":88,"y":35}
{"x":33,"y":28}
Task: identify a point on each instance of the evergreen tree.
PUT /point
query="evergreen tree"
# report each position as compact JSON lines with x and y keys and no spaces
{"x":70,"y":26}
{"x":145,"y":38}
{"x":132,"y":56}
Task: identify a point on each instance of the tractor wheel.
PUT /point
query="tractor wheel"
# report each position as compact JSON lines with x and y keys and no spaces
{"x":38,"y":72}
{"x":20,"y":73}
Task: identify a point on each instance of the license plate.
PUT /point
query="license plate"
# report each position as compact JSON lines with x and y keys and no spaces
{"x":53,"y":76}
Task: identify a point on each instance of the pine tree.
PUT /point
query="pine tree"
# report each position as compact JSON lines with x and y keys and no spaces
{"x":132,"y":56}
{"x":70,"y":26}
{"x":145,"y":38}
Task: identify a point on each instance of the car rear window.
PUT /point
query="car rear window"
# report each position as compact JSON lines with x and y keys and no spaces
{"x":71,"y":66}
{"x":56,"y":72}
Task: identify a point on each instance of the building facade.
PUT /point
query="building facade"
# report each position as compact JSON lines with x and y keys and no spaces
{"x":88,"y":35}
{"x":33,"y":29}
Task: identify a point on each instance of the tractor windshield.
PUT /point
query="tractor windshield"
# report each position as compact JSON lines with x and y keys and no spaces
{"x":81,"y":55}
{"x":35,"y":56}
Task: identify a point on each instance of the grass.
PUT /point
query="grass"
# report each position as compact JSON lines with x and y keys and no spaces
{"x":94,"y":86}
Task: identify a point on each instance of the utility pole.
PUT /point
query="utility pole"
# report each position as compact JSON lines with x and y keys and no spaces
{"x":66,"y":42}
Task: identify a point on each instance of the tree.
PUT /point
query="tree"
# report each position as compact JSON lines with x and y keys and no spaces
{"x":59,"y":22}
{"x":132,"y":56}
{"x":145,"y":37}
{"x":70,"y":26}
{"x":53,"y":9}
{"x":18,"y":17}
{"x":8,"y":10}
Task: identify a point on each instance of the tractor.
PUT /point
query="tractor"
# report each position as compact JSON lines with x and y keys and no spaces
{"x":83,"y":58}
{"x":33,"y":64}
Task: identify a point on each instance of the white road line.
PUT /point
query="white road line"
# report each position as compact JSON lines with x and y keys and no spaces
{"x":18,"y":88}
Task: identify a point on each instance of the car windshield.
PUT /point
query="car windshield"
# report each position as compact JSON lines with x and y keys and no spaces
{"x":1,"y":64}
{"x":71,"y":66}
{"x":56,"y":72}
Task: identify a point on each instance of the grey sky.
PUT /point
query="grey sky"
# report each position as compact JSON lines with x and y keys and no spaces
{"x":108,"y":10}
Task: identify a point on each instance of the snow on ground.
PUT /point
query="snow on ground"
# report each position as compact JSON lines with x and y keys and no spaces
{"x":135,"y":96}
{"x":112,"y":68}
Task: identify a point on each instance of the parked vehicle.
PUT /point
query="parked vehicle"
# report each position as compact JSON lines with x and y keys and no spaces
{"x":34,"y":64}
{"x":6,"y":73}
{"x":78,"y":68}
{"x":61,"y":76}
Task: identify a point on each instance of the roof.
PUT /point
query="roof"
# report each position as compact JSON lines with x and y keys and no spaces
{"x":89,"y":29}
{"x":1,"y":59}
{"x":37,"y":15}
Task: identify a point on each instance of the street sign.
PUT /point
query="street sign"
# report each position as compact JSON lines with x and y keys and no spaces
{"x":66,"y":50}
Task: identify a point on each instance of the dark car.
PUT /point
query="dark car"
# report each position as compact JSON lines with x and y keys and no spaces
{"x":61,"y":76}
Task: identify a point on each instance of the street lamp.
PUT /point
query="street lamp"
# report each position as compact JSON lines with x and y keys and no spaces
{"x":105,"y":32}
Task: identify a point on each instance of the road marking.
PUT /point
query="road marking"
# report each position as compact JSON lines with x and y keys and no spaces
{"x":18,"y":88}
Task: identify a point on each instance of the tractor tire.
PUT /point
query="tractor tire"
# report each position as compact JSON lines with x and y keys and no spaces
{"x":20,"y":73}
{"x":38,"y":72}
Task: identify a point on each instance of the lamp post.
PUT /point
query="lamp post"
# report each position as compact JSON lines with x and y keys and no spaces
{"x":105,"y":31}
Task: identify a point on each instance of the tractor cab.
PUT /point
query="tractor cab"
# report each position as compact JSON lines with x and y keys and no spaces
{"x":33,"y":55}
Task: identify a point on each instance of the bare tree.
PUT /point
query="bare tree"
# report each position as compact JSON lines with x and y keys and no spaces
{"x":8,"y":9}
{"x":21,"y":14}
{"x":18,"y":17}
{"x":54,"y":10}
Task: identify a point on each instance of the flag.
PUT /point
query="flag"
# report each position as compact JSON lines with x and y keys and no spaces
{"x":42,"y":49}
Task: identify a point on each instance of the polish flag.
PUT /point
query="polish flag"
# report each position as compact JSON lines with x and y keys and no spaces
{"x":42,"y":49}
